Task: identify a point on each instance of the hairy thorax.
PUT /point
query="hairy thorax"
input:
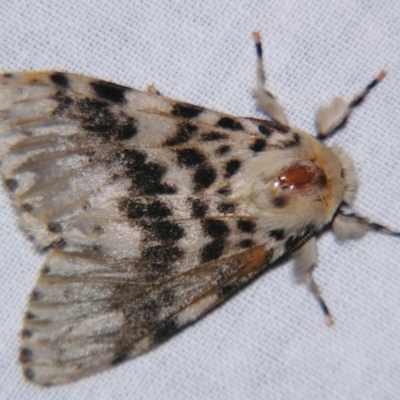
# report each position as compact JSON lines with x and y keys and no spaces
{"x":289,"y":188}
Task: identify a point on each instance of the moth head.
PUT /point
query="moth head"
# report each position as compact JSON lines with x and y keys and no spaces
{"x":291,"y":188}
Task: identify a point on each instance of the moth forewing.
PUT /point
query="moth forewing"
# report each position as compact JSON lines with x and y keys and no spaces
{"x":155,"y":210}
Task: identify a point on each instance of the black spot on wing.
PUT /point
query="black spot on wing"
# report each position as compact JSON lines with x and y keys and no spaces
{"x":25,"y":355}
{"x":137,"y":209}
{"x":167,"y":297}
{"x":165,"y":331}
{"x":161,"y":256}
{"x":54,"y":227}
{"x":119,"y":358}
{"x":158,"y":209}
{"x":165,"y":231}
{"x":190,"y":157}
{"x":265,"y":130}
{"x":132,"y":209}
{"x":183,"y":134}
{"x":226,"y":208}
{"x":228,"y":289}
{"x":133,"y":159}
{"x":145,"y":176}
{"x":230,"y":123}
{"x":232,"y":167}
{"x":26,"y":333}
{"x":222,"y":150}
{"x":204,"y":177}
{"x":110,"y":91}
{"x":95,"y":116}
{"x":187,"y":111}
{"x":46,"y":270}
{"x":199,"y":208}
{"x":30,"y":316}
{"x":277,"y":234}
{"x":58,"y":244}
{"x":98,"y":230}
{"x":215,"y":228}
{"x":36,"y":295}
{"x":26,"y":207}
{"x":11,"y":184}
{"x":246,"y":243}
{"x":126,"y":128}
{"x":213,"y":136}
{"x":246,"y":226}
{"x":63,"y":103}
{"x":29,"y":374}
{"x":258,"y":145}
{"x":60,"y":79}
{"x":213,"y":250}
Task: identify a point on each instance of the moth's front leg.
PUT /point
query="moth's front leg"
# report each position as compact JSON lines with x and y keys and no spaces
{"x":353,"y":226}
{"x":334,"y":116}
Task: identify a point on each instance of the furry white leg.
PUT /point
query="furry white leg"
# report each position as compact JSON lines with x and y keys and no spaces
{"x":265,"y":100}
{"x":333,"y":117}
{"x":352,"y":226}
{"x":305,"y":261}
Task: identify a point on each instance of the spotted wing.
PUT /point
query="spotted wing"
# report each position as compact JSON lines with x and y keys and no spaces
{"x":127,"y":188}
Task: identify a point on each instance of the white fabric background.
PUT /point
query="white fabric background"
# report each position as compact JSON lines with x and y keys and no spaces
{"x":269,"y":341}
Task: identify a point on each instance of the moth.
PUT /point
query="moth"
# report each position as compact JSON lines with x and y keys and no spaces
{"x":154,"y":210}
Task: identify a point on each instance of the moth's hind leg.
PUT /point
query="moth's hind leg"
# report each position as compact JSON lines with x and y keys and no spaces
{"x":334,"y":116}
{"x":305,"y":262}
{"x":345,"y":226}
{"x":353,"y":226}
{"x":265,"y":100}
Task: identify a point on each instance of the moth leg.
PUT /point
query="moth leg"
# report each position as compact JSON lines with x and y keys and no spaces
{"x":353,"y":226}
{"x":334,"y":116}
{"x":305,"y":262}
{"x":265,"y":100}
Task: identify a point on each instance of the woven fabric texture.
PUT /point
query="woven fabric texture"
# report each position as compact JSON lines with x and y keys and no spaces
{"x":269,"y":341}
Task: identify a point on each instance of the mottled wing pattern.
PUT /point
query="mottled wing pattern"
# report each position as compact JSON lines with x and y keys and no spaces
{"x":128,"y":189}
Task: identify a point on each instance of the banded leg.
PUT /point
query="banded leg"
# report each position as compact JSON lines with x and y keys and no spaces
{"x":265,"y":100}
{"x":333,"y":117}
{"x":353,"y":226}
{"x":305,"y":262}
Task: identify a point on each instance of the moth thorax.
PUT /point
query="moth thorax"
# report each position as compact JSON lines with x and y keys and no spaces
{"x":300,"y":177}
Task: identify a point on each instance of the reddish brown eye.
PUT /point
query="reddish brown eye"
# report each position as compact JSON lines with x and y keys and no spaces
{"x":301,"y":177}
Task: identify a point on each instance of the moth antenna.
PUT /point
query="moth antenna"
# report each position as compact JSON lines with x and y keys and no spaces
{"x":265,"y":100}
{"x":329,"y":119}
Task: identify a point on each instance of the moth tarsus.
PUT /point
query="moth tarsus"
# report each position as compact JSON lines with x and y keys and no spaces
{"x":155,"y":210}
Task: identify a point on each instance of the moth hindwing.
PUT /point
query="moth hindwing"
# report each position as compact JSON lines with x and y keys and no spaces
{"x":155,"y":210}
